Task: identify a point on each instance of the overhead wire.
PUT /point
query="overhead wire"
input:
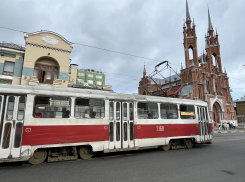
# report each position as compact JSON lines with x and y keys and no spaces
{"x":90,"y":46}
{"x":103,"y":50}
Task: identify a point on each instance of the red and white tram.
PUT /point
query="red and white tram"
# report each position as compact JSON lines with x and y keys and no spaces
{"x":39,"y":123}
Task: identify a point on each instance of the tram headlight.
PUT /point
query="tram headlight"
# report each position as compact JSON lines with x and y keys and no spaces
{"x":26,"y":152}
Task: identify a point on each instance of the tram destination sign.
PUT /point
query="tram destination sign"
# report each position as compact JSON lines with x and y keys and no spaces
{"x":59,"y":103}
{"x":239,"y":116}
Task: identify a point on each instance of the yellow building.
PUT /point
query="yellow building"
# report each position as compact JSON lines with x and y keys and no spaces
{"x":45,"y":61}
{"x":240,"y":109}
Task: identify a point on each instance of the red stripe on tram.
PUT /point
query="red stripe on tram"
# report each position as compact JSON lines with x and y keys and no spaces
{"x":165,"y":130}
{"x":60,"y":134}
{"x":43,"y":135}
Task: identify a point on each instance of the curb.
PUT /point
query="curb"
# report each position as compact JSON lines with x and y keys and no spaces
{"x":237,"y":131}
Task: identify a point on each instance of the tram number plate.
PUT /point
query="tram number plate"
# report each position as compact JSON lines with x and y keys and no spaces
{"x":160,"y":128}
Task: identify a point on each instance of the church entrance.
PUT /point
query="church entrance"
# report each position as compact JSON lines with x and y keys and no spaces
{"x":217,"y":112}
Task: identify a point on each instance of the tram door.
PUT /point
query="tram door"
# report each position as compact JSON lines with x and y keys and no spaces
{"x":203,"y":123}
{"x":200,"y":120}
{"x":121,"y":125}
{"x":12,"y":118}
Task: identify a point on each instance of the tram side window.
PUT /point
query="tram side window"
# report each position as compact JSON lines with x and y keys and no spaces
{"x":169,"y":111}
{"x":147,"y":110}
{"x":89,"y":108}
{"x":52,"y":107}
{"x":187,"y":112}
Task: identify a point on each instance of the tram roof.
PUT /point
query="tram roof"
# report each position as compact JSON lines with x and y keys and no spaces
{"x":90,"y":93}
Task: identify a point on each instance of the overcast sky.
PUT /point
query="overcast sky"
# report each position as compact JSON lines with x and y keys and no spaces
{"x":149,"y":28}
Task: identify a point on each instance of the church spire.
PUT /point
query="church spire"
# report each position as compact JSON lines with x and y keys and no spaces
{"x":144,"y":71}
{"x":188,"y":17}
{"x":210,"y":26}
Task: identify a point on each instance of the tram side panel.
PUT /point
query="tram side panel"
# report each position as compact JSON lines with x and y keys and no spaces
{"x":57,"y":132}
{"x":167,"y":124}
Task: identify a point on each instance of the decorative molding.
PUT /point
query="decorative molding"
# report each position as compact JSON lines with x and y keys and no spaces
{"x":50,"y":40}
{"x":47,"y":47}
{"x":50,"y":32}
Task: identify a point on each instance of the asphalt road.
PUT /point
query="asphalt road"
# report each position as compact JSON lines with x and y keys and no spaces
{"x":224,"y":160}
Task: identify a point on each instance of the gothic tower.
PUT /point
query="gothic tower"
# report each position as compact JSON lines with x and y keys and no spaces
{"x":190,"y":40}
{"x":212,"y":48}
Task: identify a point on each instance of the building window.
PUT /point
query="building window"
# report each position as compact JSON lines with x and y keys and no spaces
{"x":8,"y":68}
{"x":90,"y":75}
{"x":8,"y":55}
{"x":99,"y":76}
{"x":99,"y":83}
{"x":80,"y":80}
{"x":90,"y":82}
{"x":81,"y":74}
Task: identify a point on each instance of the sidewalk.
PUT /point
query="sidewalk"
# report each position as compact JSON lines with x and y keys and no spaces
{"x":228,"y":131}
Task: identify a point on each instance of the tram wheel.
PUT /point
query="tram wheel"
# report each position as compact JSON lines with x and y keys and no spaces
{"x":189,"y":143}
{"x":167,"y":147}
{"x":39,"y":156}
{"x":86,"y":152}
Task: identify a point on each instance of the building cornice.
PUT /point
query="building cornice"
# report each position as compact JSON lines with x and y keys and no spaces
{"x":11,"y":51}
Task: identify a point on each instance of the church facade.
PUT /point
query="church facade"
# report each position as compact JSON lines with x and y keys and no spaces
{"x":203,"y":77}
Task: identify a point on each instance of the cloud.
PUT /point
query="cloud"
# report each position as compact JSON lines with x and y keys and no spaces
{"x":152,"y":29}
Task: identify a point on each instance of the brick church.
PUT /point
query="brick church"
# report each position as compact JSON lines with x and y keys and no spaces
{"x":201,"y":79}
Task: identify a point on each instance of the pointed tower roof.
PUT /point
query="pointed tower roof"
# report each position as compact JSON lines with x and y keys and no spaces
{"x":210,"y":26}
{"x":144,"y":69}
{"x":193,"y":23}
{"x":188,"y":17}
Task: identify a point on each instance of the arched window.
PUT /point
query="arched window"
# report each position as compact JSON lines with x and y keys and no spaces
{"x":207,"y":85}
{"x":191,"y":53}
{"x":214,"y":59}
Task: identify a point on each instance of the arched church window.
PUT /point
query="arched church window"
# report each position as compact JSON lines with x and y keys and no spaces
{"x":190,"y":53}
{"x":214,"y":59}
{"x":207,"y":86}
